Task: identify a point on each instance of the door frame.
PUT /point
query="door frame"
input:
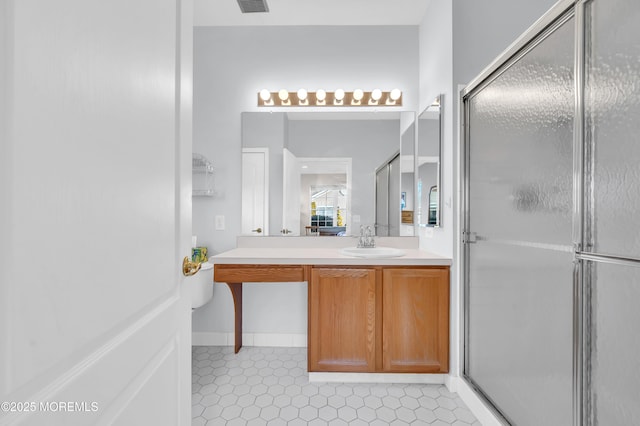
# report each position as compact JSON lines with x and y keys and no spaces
{"x":265,"y":215}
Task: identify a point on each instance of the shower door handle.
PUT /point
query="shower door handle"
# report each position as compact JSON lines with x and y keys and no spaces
{"x":469,"y":237}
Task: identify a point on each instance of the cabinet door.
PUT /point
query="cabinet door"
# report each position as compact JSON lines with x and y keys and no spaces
{"x":415,"y":322}
{"x":342,"y":305}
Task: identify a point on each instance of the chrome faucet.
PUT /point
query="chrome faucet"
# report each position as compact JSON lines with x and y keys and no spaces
{"x":366,"y":239}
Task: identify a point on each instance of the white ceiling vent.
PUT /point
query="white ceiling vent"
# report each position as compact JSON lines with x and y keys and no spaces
{"x":253,"y":6}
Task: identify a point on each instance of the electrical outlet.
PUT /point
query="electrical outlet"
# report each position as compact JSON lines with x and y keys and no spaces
{"x":219,"y":223}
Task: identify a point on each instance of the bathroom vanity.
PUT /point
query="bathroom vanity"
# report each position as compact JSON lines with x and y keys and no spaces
{"x":364,"y":314}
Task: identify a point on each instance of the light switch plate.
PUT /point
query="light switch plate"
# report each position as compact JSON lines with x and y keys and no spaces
{"x":219,"y":223}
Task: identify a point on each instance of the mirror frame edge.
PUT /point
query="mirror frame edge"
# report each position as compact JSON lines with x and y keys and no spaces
{"x":441,"y":102}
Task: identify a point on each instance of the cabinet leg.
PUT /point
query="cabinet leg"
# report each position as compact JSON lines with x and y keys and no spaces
{"x":236,"y":292}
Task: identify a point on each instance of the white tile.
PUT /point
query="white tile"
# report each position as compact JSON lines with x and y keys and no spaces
{"x":293,"y":390}
{"x":264,"y":400}
{"x":464,"y":414}
{"x":212,"y":412}
{"x":231,"y":412}
{"x":269,"y":413}
{"x":289,"y":413}
{"x":228,"y":400}
{"x":336,"y":401}
{"x":318,"y":401}
{"x":354,"y":401}
{"x":347,"y":413}
{"x":269,"y":386}
{"x":196,"y":410}
{"x":198,"y":421}
{"x":242,"y":389}
{"x":447,"y":403}
{"x":308,"y":413}
{"x":406,"y":415}
{"x":409,"y":402}
{"x":367,"y":414}
{"x":444,"y":415}
{"x":209,"y":400}
{"x":327,"y":413}
{"x":386,"y":414}
{"x":391,"y":402}
{"x":282,"y":401}
{"x":425,"y":415}
{"x":300,"y":401}
{"x":246,"y":400}
{"x":259,"y":389}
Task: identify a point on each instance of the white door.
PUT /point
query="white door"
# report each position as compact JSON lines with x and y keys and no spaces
{"x":290,"y":194}
{"x":255,"y":191}
{"x":95,"y":211}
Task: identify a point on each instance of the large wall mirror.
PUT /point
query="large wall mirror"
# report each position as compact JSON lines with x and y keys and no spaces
{"x":429,"y":182}
{"x":314,"y":173}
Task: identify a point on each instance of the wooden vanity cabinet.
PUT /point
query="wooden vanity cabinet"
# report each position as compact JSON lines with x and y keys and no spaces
{"x":379,"y":319}
{"x":415,"y":320}
{"x":342,"y":309}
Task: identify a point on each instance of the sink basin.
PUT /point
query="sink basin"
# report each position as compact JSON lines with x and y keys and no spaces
{"x":372,"y":252}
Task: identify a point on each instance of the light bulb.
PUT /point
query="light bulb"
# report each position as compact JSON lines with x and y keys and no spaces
{"x":376,"y":94}
{"x":321,"y":95}
{"x":395,"y":94}
{"x":265,"y":95}
{"x":302,"y":94}
{"x":283,"y":95}
{"x":339,"y":94}
{"x":358,"y":94}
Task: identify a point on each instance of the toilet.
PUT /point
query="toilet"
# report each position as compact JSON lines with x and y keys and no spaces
{"x":201,"y":285}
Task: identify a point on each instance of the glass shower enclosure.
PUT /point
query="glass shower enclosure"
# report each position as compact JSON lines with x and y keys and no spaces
{"x":551,"y":237}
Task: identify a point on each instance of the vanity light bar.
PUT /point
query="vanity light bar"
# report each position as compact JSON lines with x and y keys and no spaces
{"x":321,"y":98}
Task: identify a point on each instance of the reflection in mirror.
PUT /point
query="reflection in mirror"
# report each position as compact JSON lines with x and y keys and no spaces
{"x":395,"y":183}
{"x":429,"y":164}
{"x":321,"y":168}
{"x":407,"y":179}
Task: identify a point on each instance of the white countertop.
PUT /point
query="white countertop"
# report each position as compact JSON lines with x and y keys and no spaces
{"x":321,"y":256}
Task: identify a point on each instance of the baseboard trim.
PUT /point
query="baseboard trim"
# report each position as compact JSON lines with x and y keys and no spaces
{"x":199,"y":338}
{"x":483,"y":413}
{"x":428,"y":379}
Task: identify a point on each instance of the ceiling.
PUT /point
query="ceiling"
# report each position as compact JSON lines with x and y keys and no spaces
{"x":312,"y":12}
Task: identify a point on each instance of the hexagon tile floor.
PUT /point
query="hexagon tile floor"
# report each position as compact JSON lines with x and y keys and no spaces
{"x":270,"y":386}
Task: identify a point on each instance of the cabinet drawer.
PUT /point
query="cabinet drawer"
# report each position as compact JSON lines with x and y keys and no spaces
{"x":258,"y":273}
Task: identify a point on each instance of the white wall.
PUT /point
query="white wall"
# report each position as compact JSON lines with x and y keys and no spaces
{"x":231,"y":65}
{"x":436,"y":77}
{"x":484,"y":29}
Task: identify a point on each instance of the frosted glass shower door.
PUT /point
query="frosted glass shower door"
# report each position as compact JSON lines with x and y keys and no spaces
{"x":520,"y":258}
{"x":612,"y":105}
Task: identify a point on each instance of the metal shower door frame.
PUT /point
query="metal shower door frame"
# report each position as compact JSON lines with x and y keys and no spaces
{"x":559,"y":14}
